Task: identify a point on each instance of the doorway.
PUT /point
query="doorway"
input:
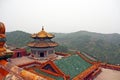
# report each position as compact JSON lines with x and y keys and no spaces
{"x":19,"y":54}
{"x":42,"y":54}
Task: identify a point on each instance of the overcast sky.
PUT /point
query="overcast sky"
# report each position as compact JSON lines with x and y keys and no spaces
{"x":101,"y":16}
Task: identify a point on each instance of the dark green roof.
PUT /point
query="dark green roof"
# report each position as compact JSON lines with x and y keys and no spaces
{"x":2,"y":39}
{"x":9,"y":55}
{"x":49,"y":75}
{"x":72,"y":65}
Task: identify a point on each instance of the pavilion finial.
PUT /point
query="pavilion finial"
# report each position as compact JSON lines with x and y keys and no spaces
{"x":42,"y":28}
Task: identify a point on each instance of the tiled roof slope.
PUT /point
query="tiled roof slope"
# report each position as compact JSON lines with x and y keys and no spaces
{"x":72,"y":65}
{"x":42,"y":34}
{"x":3,"y":73}
{"x":49,"y":75}
{"x":41,"y":44}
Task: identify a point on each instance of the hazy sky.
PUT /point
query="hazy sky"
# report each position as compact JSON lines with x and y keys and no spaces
{"x":101,"y":16}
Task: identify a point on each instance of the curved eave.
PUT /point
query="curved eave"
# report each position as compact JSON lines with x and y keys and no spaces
{"x":42,"y":45}
{"x":2,"y":35}
{"x":2,"y":28}
{"x":42,"y":36}
{"x":37,"y":37}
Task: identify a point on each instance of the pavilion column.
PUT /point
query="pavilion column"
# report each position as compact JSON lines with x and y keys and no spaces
{"x":38,"y":53}
{"x":47,"y":52}
{"x":53,"y":51}
{"x":44,"y":53}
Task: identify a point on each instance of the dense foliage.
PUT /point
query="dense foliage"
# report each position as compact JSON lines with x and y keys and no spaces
{"x":104,"y":47}
{"x":18,"y":38}
{"x":61,"y":48}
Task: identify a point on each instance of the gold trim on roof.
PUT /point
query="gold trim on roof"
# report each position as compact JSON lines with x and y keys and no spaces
{"x":43,"y":34}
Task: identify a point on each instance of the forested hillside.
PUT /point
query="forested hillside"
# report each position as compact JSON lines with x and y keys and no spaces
{"x":18,"y":38}
{"x":104,"y":47}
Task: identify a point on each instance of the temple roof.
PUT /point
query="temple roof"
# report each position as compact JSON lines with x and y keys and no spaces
{"x":72,"y":65}
{"x":2,"y":38}
{"x":42,"y":34}
{"x":2,"y":28}
{"x":49,"y":75}
{"x":42,"y":44}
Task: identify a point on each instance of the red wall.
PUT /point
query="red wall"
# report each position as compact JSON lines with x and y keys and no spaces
{"x":21,"y":51}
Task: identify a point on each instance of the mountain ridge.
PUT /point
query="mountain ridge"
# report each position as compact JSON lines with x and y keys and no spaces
{"x":104,"y":47}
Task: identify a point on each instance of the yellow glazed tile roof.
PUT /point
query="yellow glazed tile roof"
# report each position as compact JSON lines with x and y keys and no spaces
{"x":43,"y":34}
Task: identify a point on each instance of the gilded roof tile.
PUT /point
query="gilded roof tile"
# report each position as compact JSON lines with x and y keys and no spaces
{"x":42,"y":34}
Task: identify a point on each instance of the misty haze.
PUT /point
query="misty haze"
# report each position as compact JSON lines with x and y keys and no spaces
{"x":59,"y":39}
{"x":64,"y":16}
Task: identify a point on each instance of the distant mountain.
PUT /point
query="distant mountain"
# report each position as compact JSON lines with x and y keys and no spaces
{"x":18,"y":38}
{"x":103,"y":47}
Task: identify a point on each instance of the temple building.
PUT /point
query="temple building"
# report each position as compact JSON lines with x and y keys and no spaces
{"x":4,"y":53}
{"x":42,"y":46}
{"x":2,"y":37}
{"x":44,"y":63}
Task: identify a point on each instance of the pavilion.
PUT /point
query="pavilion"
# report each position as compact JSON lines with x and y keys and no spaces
{"x":44,"y":63}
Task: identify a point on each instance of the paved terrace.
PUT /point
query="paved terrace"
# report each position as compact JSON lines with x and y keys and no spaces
{"x":26,"y":60}
{"x":108,"y":74}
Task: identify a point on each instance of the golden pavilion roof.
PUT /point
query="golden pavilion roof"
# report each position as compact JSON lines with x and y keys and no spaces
{"x":2,"y":38}
{"x":42,"y":34}
{"x":2,"y":30}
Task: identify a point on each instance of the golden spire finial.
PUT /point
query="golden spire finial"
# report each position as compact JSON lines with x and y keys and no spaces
{"x":42,"y":28}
